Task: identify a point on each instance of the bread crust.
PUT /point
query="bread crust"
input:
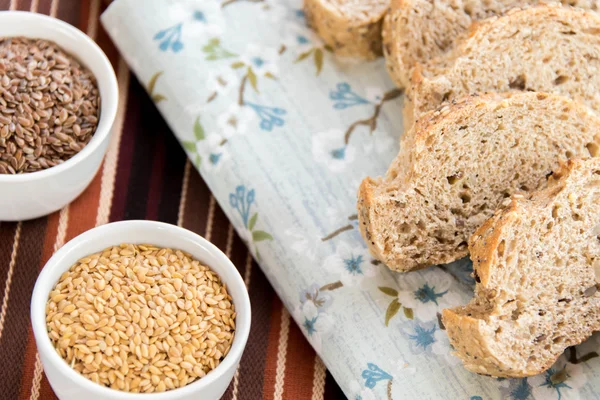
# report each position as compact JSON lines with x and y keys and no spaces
{"x":393,"y":59}
{"x":380,"y":200}
{"x":418,"y":31}
{"x":365,"y":203}
{"x":469,"y":334}
{"x":347,"y":36}
{"x":441,"y":79}
{"x":366,"y":210}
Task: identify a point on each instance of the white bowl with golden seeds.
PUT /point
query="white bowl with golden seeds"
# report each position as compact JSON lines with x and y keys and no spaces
{"x":140,"y":322}
{"x":33,"y":194}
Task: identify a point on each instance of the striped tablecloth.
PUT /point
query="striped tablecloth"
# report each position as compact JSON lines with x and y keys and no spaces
{"x":144,"y":176}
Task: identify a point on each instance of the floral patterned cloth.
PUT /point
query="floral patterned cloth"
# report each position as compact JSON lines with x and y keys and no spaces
{"x":283,"y":132}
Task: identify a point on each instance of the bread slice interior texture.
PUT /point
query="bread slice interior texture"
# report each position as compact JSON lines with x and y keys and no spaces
{"x":544,"y":49}
{"x":417,"y":31}
{"x":537,"y":264}
{"x":460,"y":165}
{"x":352,"y":28}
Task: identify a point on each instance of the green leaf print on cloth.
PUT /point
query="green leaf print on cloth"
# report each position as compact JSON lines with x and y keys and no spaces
{"x":395,"y":305}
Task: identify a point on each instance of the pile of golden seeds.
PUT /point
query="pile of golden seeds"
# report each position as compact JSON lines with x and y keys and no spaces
{"x":49,"y":105}
{"x":140,"y":318}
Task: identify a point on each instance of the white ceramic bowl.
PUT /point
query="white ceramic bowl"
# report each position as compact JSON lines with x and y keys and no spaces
{"x":35,"y":194}
{"x":70,"y":385}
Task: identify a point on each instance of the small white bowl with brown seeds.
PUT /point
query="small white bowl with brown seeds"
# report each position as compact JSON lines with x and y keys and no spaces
{"x":58,"y":102}
{"x":140,"y":310}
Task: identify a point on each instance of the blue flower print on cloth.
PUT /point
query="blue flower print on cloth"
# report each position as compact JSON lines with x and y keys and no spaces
{"x":263,"y":60}
{"x":427,"y":293}
{"x":429,"y":339}
{"x":242,"y":201}
{"x":421,"y":336}
{"x":351,"y":265}
{"x":374,"y":374}
{"x":205,"y":21}
{"x":330,"y":150}
{"x":343,"y":97}
{"x":315,"y":324}
{"x":170,"y":38}
{"x":207,"y":151}
{"x":562,"y":382}
{"x":299,"y":39}
{"x":515,"y":389}
{"x":270,"y":117}
{"x":212,"y":151}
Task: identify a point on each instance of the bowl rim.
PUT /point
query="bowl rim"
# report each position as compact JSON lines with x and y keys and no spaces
{"x":109,"y":100}
{"x":44,"y":345}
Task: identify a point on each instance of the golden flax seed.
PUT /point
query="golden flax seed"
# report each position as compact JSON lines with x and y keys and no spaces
{"x":140,"y":318}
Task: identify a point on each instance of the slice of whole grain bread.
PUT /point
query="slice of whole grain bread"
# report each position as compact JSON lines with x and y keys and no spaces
{"x":459,"y":166}
{"x":350,"y":27}
{"x":417,"y":31}
{"x":544,"y":49}
{"x":537,"y":268}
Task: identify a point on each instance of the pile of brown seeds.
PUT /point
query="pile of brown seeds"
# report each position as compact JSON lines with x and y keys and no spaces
{"x":49,"y":105}
{"x":139,"y":318}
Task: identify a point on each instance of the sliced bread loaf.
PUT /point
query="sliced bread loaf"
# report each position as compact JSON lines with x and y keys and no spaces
{"x":460,"y":166}
{"x":544,"y":49}
{"x":416,"y":31}
{"x":537,"y":267}
{"x":350,"y":27}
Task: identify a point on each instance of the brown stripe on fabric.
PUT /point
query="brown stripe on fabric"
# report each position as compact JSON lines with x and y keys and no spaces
{"x":272,"y":348}
{"x":299,"y":366}
{"x":228,"y":395}
{"x":155,"y":185}
{"x":174,"y":168}
{"x":70,"y":11}
{"x":196,"y":214}
{"x":146,"y":136}
{"x":84,"y":12}
{"x":46,"y":391}
{"x":238,"y":257}
{"x":261,"y":297}
{"x":332,"y":390}
{"x":196,"y":206}
{"x":107,"y":45}
{"x":126,"y":146}
{"x":7,"y":242}
{"x":4,"y":4}
{"x":23,"y":5}
{"x":82,"y":211}
{"x":219,"y":228}
{"x":47,"y":251}
{"x":14,"y":337}
{"x":126,"y":151}
{"x":28,"y":366}
{"x":44,"y":6}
